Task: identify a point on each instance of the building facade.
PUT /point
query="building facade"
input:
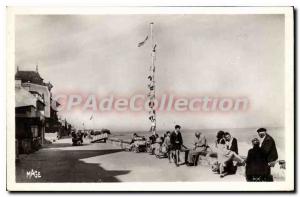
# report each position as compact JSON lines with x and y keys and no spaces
{"x":35,"y":111}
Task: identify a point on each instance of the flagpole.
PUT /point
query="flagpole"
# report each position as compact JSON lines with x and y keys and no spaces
{"x":151,"y":77}
{"x":153,"y":72}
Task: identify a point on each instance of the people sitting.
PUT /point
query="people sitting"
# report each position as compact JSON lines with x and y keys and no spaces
{"x":200,"y":146}
{"x":158,"y":150}
{"x":259,"y":159}
{"x":224,"y":154}
{"x":77,"y":137}
{"x":135,"y":138}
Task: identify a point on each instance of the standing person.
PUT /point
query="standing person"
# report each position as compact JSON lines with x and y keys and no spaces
{"x":200,"y":146}
{"x":256,"y":164}
{"x":268,"y":147}
{"x":81,"y":137}
{"x":176,"y":142}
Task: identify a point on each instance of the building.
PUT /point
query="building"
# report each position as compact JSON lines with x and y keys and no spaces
{"x":29,"y":119}
{"x":65,"y":129}
{"x":35,"y":110}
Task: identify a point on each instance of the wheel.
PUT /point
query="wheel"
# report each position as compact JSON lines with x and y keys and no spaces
{"x":148,"y":149}
{"x":136,"y":150}
{"x":133,"y":149}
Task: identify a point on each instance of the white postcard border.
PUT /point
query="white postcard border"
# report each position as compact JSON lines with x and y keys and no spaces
{"x":286,"y":185}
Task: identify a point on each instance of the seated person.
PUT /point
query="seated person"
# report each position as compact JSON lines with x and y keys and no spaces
{"x":137,"y":138}
{"x":158,"y":147}
{"x":224,"y":156}
{"x":152,"y":139}
{"x":74,"y":137}
{"x":80,"y":136}
{"x":134,"y":139}
{"x":232,"y":145}
{"x":200,"y":146}
{"x":167,"y":144}
{"x":73,"y":134}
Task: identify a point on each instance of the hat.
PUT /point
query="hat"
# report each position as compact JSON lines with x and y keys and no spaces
{"x":261,"y":130}
{"x":255,"y":141}
{"x":177,"y":126}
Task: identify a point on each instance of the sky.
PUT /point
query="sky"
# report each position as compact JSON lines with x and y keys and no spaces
{"x":197,"y":55}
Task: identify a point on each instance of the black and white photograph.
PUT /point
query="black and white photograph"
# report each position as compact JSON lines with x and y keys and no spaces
{"x":162,"y":99}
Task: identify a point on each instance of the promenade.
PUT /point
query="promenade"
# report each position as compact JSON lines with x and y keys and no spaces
{"x":103,"y":162}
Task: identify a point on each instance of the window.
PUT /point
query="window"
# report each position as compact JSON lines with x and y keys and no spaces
{"x":34,"y":131}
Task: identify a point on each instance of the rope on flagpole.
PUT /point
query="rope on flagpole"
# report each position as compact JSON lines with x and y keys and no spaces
{"x":153,"y":128}
{"x":152,"y":91}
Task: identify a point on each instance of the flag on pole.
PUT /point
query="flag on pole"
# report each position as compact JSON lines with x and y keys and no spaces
{"x":143,"y":42}
{"x":154,"y":48}
{"x":152,"y":118}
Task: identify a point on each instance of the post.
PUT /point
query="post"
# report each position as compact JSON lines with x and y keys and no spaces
{"x":151,"y":33}
{"x":153,"y":77}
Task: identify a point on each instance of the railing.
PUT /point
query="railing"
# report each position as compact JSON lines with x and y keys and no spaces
{"x":103,"y":136}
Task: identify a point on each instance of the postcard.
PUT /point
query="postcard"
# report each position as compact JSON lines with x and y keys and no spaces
{"x":150,"y":99}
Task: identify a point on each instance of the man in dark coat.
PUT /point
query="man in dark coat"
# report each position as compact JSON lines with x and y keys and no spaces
{"x":176,"y":143}
{"x":257,"y":167}
{"x":232,"y":145}
{"x":268,"y":147}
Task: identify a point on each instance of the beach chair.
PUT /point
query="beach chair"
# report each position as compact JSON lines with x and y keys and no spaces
{"x":161,"y":152}
{"x":139,"y":146}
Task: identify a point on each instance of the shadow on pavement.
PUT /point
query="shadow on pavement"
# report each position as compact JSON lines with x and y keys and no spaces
{"x":65,"y":166}
{"x":61,"y":145}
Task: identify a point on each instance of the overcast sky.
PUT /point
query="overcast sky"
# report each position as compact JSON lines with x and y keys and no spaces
{"x":197,"y":55}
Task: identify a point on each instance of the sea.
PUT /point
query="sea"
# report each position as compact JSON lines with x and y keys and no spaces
{"x":243,"y":135}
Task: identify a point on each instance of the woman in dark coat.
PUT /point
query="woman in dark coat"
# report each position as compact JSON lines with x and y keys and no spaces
{"x":256,"y":163}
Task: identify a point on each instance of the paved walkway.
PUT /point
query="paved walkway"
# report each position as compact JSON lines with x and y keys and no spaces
{"x":100,"y":162}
